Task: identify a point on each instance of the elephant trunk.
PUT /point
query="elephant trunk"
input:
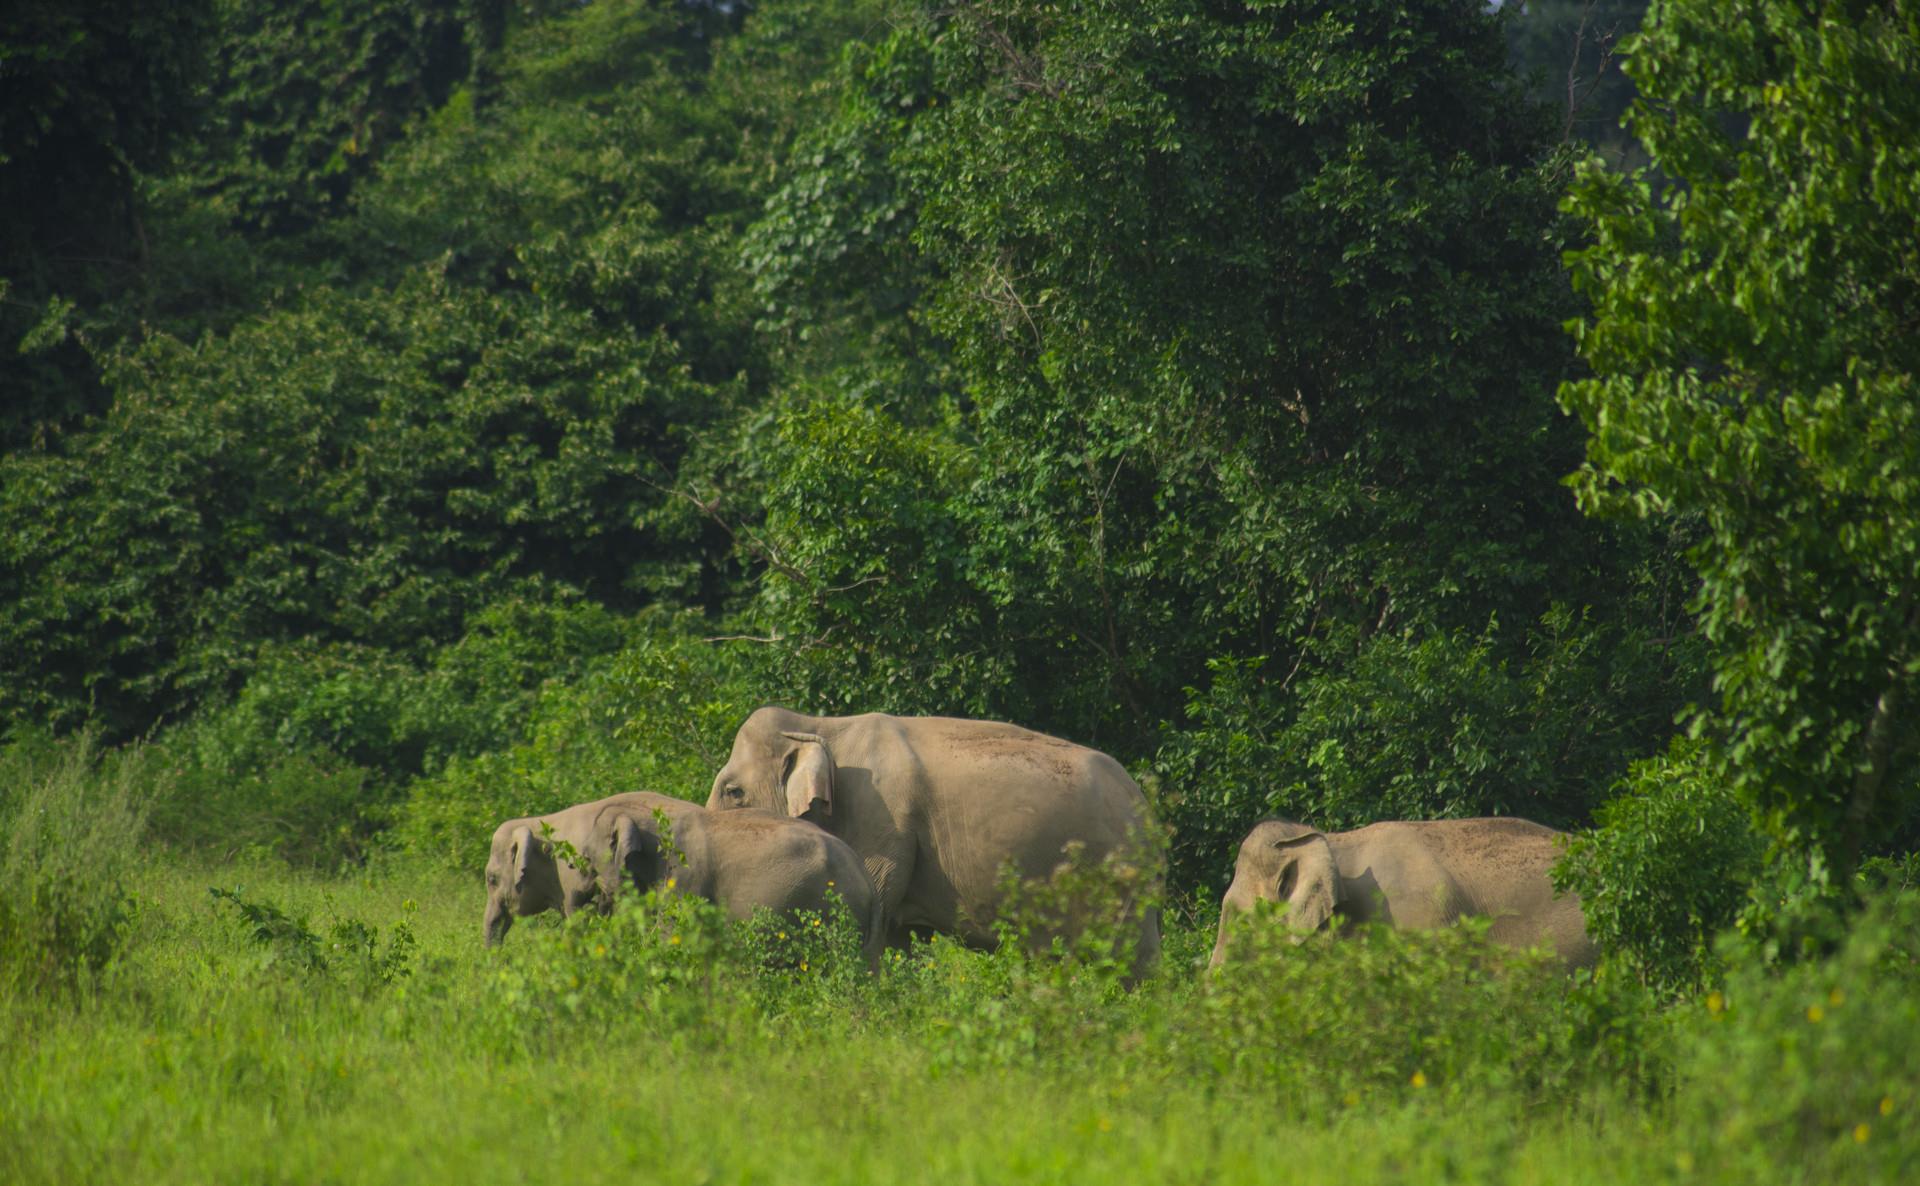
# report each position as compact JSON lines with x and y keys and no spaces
{"x":1219,"y":947}
{"x":498,"y":920}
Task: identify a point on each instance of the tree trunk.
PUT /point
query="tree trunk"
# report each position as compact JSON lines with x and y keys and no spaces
{"x":1867,"y":781}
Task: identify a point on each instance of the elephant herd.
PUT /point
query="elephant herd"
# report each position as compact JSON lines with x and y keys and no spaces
{"x":912,"y":821}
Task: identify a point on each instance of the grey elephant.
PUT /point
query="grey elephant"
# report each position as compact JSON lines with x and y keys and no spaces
{"x":740,"y":860}
{"x":937,"y":806}
{"x":1413,"y":875}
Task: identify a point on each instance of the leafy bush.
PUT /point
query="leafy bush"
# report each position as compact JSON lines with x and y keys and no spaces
{"x":308,"y":760}
{"x":1667,"y":869}
{"x":1085,"y":919}
{"x":71,"y":834}
{"x":658,"y":959}
{"x":347,"y":952}
{"x":658,"y":715}
{"x":1811,"y":1065}
{"x":307,"y":807}
{"x":1375,"y":1012}
{"x":868,"y":590}
{"x":1414,"y":726}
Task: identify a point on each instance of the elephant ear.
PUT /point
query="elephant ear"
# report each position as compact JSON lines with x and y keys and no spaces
{"x":808,"y":777}
{"x":636,"y":855}
{"x":520,"y":855}
{"x":1308,"y":881}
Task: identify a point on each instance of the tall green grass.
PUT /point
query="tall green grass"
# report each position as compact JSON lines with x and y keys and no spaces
{"x":72,"y":824}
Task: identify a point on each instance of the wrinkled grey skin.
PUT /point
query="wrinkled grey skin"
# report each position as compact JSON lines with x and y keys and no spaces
{"x":524,"y":877}
{"x":740,"y":860}
{"x":935,"y":806}
{"x":1414,"y":875}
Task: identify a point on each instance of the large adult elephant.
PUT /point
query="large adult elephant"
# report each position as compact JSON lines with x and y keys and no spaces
{"x":1413,"y":875}
{"x":937,"y":806}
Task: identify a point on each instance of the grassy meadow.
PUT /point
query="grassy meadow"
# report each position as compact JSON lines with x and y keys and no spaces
{"x":302,"y":1027}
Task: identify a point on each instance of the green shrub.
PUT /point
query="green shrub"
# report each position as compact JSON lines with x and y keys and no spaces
{"x":1666,"y":870}
{"x":478,"y":691}
{"x":658,"y":715}
{"x":660,"y":960}
{"x":804,"y":966}
{"x":71,"y":833}
{"x":1379,"y":1013}
{"x":348,"y":951}
{"x":1811,"y":1065}
{"x":1086,"y":918}
{"x":307,"y":762}
{"x":1420,"y":725}
{"x":232,"y":797}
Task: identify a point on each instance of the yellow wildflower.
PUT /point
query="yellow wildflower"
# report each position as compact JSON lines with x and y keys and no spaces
{"x":1860,"y":1132}
{"x":1837,"y":997}
{"x":1716,"y":1003}
{"x":673,"y":940}
{"x":1815,"y":1014}
{"x":1419,"y":1079}
{"x":1886,"y":1105}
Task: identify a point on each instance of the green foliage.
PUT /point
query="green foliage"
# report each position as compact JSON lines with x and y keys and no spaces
{"x":867,"y":590}
{"x":832,"y":260}
{"x":1162,"y":452}
{"x":348,"y":952}
{"x":657,"y":715}
{"x":71,"y":824}
{"x":482,"y":375}
{"x":309,"y":96}
{"x":307,"y":806}
{"x":1571,"y":51}
{"x":444,"y":447}
{"x":1347,"y":1019}
{"x":1810,"y":1065}
{"x":657,"y":956}
{"x":1754,"y":366}
{"x":1666,"y":870}
{"x":306,"y":762}
{"x":1412,"y":727}
{"x":90,"y":92}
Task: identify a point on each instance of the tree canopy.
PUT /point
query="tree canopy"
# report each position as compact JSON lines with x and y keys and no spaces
{"x":1755,"y":296}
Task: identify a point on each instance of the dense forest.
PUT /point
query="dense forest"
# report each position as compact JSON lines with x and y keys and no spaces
{"x":422,"y":413}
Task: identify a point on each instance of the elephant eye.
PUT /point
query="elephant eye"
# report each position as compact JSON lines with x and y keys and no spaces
{"x":736,"y":794}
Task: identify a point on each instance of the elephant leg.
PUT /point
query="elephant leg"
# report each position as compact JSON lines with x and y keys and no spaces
{"x":1146,"y":952}
{"x":891,"y":869}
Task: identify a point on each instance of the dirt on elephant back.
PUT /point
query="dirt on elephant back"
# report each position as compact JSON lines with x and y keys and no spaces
{"x":1012,"y":744}
{"x":1498,"y":842}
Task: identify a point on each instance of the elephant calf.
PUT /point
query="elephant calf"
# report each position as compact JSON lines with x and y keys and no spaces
{"x":1414,"y":875}
{"x":740,"y":860}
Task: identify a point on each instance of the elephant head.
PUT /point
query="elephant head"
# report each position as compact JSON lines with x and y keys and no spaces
{"x":638,"y":853}
{"x":522,"y":877}
{"x":787,"y":772}
{"x":1281,"y":862}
